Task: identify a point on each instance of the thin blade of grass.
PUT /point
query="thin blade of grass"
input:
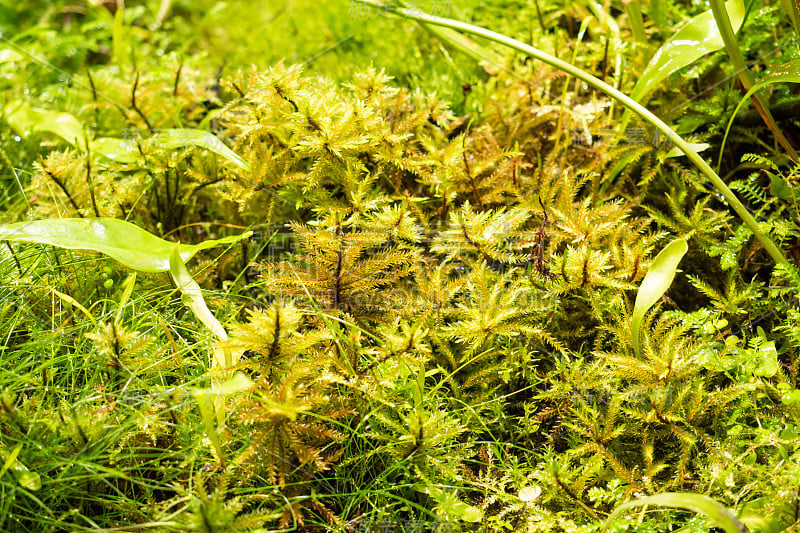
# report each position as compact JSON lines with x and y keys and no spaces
{"x":788,"y":72}
{"x":461,"y":42}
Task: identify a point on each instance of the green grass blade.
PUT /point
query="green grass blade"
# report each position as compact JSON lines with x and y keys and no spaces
{"x":461,"y":42}
{"x":698,"y":503}
{"x":787,"y":73}
{"x":655,"y":284}
{"x":26,"y":478}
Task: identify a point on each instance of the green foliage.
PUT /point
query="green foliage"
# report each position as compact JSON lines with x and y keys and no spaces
{"x":697,"y":37}
{"x":430,"y":326}
{"x":696,"y":502}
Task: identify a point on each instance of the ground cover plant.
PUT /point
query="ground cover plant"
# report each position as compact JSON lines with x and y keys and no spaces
{"x":370,"y":273}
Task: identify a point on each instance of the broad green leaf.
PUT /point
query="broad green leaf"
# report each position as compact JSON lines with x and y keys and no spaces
{"x":127,"y":285}
{"x":140,"y":250}
{"x":605,"y":19}
{"x":466,"y":45}
{"x":471,"y":513}
{"x":224,"y":358}
{"x":9,"y":458}
{"x":119,"y":43}
{"x":127,"y":150}
{"x":768,"y":360}
{"x":767,"y":363}
{"x":26,"y":478}
{"x":779,"y":188}
{"x":121,"y":240}
{"x":786,"y":73}
{"x":26,"y":120}
{"x":699,"y":503}
{"x":698,"y":37}
{"x":72,"y":301}
{"x":656,"y":283}
{"x":181,"y":138}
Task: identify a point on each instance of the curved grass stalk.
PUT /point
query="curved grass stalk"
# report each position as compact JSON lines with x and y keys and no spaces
{"x":717,"y":513}
{"x":620,"y":97}
{"x":732,"y":47}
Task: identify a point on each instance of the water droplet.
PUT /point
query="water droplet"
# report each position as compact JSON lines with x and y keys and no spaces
{"x":17,"y":138}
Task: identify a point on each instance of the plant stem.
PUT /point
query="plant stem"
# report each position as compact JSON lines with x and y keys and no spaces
{"x":732,"y":47}
{"x":658,"y":14}
{"x":622,"y":98}
{"x":792,"y":8}
{"x":634,"y":12}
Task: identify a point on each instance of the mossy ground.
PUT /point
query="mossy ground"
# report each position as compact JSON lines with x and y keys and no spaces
{"x":434,"y":308}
